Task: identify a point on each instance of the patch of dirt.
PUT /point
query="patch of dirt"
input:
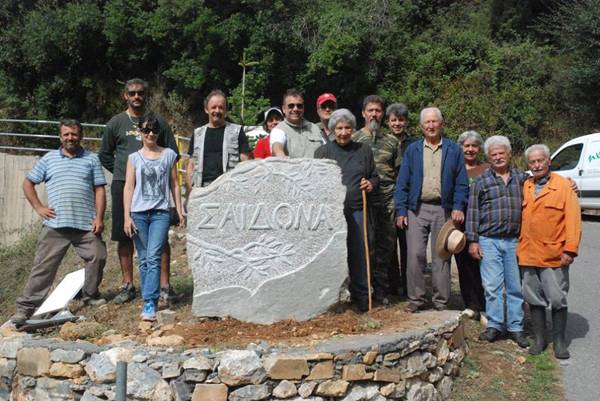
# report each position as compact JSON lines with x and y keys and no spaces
{"x":228,"y":332}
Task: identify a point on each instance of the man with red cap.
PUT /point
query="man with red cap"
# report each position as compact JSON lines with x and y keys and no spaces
{"x":326,"y":104}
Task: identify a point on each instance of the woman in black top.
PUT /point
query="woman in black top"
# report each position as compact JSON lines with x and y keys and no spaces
{"x":358,"y":174}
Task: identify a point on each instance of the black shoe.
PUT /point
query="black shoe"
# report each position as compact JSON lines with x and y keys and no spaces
{"x":381,"y":299}
{"x":520,"y":338}
{"x":538,"y":325}
{"x":490,"y":335}
{"x":412,"y":308}
{"x":559,"y":325}
{"x":19,"y":318}
{"x":127,"y":294}
{"x":362,"y":305}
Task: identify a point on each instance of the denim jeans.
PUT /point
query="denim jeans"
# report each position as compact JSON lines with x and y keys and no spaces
{"x":153,"y":228}
{"x":499,"y":271}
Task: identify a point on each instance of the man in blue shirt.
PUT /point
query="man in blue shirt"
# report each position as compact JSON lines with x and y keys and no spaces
{"x":432,"y":187}
{"x":74,"y":216}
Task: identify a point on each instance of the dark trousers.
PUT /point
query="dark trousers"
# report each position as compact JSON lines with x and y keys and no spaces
{"x":359,"y":289}
{"x":385,"y":271}
{"x":398,"y":272}
{"x":469,"y":279}
{"x":52,"y":246}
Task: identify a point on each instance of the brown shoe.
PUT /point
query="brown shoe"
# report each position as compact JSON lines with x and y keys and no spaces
{"x":411,"y":308}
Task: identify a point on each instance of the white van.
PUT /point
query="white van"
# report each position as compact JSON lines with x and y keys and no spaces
{"x":579,"y":159}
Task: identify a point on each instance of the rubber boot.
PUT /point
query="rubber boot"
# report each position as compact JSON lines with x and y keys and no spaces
{"x":559,"y":325}
{"x":538,"y":324}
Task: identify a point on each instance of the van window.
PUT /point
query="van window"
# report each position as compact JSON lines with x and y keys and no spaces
{"x":567,"y":159}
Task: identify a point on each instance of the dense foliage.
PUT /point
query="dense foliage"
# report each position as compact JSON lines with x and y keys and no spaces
{"x":527,"y":69}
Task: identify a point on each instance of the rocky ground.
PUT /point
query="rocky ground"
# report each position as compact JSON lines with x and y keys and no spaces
{"x":499,"y":371}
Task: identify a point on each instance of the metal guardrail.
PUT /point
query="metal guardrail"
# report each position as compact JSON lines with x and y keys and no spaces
{"x":12,"y":120}
{"x":178,"y":139}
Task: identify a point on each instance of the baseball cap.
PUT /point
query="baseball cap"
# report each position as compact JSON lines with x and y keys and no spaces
{"x":273,"y":110}
{"x":326,"y":97}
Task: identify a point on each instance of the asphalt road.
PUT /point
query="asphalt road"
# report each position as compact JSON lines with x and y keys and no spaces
{"x":581,"y":373}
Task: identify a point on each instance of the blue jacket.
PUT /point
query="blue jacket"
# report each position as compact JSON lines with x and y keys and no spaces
{"x":455,"y":184}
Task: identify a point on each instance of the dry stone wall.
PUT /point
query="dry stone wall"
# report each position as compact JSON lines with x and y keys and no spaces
{"x":414,"y":366}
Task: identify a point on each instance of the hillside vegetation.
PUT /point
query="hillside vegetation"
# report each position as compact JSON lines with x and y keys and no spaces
{"x":528,"y":69}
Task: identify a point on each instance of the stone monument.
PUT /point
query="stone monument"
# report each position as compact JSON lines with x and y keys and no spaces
{"x":267,"y":241}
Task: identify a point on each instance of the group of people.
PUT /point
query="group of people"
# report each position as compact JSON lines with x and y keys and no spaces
{"x":139,"y":149}
{"x":417,"y":190}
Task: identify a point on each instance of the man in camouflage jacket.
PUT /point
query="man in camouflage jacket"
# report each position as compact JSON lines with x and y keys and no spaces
{"x":385,"y":152}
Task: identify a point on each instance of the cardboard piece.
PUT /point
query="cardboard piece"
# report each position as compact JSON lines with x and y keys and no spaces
{"x":66,"y":290}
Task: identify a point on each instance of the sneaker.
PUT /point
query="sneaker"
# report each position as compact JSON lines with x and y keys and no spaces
{"x":167,"y":295}
{"x":470,"y":313}
{"x":149,"y":311}
{"x":19,"y":318}
{"x":127,"y":294}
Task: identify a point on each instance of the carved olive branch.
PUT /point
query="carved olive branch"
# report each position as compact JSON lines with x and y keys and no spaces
{"x":253,"y":256}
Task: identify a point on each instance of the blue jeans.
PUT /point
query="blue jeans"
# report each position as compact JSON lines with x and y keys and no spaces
{"x":499,"y":271}
{"x":153,"y":228}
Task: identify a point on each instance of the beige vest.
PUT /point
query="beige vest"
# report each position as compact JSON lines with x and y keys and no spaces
{"x":303,"y":140}
{"x":231,"y":150}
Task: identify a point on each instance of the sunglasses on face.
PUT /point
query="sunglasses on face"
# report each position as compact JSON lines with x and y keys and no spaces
{"x":147,"y":130}
{"x":298,"y":106}
{"x":133,"y":93}
{"x":326,"y":106}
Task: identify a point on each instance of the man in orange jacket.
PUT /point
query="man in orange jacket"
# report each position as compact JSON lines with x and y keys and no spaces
{"x":548,"y":243}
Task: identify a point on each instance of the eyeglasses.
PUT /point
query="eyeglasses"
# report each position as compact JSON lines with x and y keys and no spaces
{"x":327,"y":105}
{"x":298,"y":106}
{"x":147,"y":131}
{"x":133,"y":93}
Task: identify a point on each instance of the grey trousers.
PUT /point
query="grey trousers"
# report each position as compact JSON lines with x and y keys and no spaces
{"x":428,"y":219}
{"x":545,"y":286}
{"x":52,"y":246}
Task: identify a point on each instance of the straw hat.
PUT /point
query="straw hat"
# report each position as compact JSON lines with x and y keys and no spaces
{"x":450,"y":240}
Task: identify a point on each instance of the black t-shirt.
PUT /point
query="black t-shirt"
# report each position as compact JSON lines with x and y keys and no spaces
{"x":356,"y":162}
{"x":213,"y":151}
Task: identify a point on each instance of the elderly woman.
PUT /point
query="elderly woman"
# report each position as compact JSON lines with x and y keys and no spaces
{"x":469,"y":276}
{"x":358,"y":174}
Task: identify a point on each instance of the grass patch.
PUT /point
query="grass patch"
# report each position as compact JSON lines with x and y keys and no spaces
{"x":183,"y":286}
{"x":542,"y":379}
{"x":15,"y":265}
{"x":504,"y":372}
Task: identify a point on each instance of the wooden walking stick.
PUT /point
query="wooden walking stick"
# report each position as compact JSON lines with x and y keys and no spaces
{"x":366,"y":242}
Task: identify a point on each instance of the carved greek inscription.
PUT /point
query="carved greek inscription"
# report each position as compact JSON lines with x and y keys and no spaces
{"x":260,"y":216}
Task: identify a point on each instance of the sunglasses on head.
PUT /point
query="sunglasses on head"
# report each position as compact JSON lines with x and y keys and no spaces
{"x":298,"y":106}
{"x":133,"y":93}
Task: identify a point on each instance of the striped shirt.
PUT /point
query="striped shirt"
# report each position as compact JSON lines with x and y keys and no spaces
{"x":494,"y":207}
{"x":70,"y":183}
